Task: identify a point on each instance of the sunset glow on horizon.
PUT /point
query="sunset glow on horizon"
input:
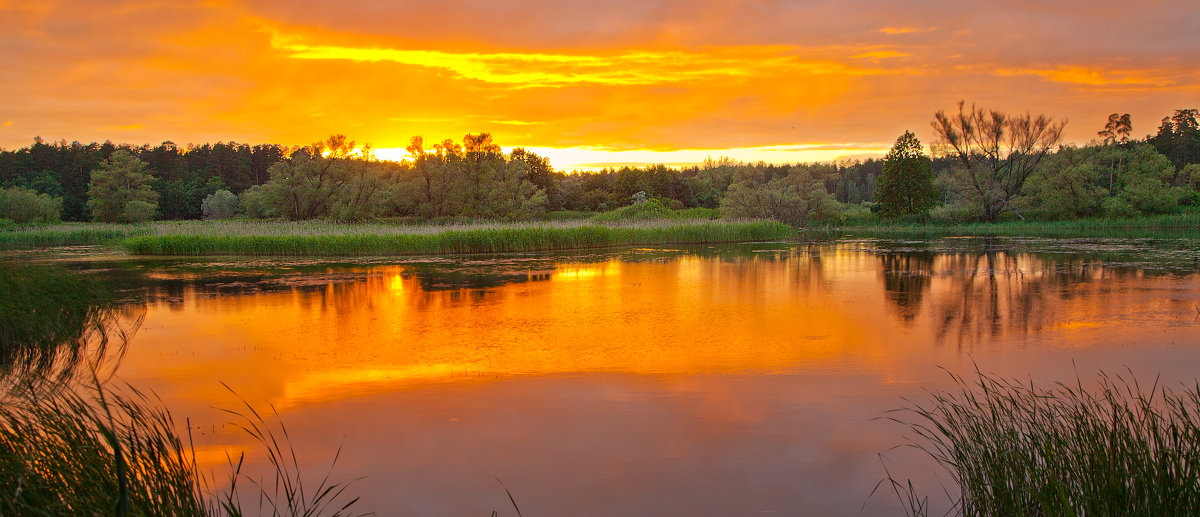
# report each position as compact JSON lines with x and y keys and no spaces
{"x":586,"y":85}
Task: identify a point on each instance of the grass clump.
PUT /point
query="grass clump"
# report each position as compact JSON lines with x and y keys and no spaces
{"x":95,"y":450}
{"x":1017,"y":449}
{"x":63,"y":453}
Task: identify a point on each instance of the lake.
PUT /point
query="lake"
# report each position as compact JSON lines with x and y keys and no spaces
{"x":727,"y":380}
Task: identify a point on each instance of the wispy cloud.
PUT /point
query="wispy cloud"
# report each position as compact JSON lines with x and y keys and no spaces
{"x":1090,"y":76}
{"x":892,"y":31}
{"x":533,"y":69}
{"x":880,"y":54}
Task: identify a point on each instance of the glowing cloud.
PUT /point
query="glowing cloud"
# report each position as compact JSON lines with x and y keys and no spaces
{"x":530,"y":70}
{"x":1083,"y":76}
{"x":880,"y":54}
{"x":892,"y":31}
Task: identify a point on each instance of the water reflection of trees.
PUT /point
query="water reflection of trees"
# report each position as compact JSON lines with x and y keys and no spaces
{"x":54,"y":323}
{"x":906,"y":278}
{"x":973,"y":296}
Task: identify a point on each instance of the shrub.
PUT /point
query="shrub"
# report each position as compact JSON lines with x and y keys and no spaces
{"x":221,"y":204}
{"x":650,"y":209}
{"x":22,"y":205}
{"x":954,"y":213}
{"x":795,"y":199}
{"x":259,"y":202}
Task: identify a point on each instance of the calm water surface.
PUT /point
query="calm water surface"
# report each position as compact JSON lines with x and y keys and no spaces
{"x":735,"y":380}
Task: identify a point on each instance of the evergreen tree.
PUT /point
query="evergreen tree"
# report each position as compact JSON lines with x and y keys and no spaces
{"x":906,"y":185}
{"x":119,"y":190}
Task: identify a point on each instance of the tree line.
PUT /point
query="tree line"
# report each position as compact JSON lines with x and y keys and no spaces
{"x":983,"y":165}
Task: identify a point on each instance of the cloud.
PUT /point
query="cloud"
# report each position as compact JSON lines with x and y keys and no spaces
{"x":631,"y":67}
{"x":892,"y":31}
{"x":880,"y":54}
{"x":1094,"y":76}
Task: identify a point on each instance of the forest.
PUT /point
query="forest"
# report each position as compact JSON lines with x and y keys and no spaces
{"x":983,"y":166}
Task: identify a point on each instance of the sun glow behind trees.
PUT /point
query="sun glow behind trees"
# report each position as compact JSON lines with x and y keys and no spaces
{"x":596,"y":158}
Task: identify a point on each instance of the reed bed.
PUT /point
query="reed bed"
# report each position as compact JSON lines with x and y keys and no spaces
{"x":257,"y":239}
{"x":1016,"y":449}
{"x":67,"y":234}
{"x":1172,"y":225}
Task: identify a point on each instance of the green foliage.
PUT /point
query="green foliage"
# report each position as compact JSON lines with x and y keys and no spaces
{"x":221,"y":204}
{"x":306,"y":185}
{"x":795,"y":199}
{"x":183,"y":198}
{"x":1017,"y":449}
{"x":1189,"y":177}
{"x":1188,"y":180}
{"x":260,"y":201}
{"x":22,"y":205}
{"x":1145,"y":182}
{"x":42,"y":182}
{"x":119,"y":190}
{"x":906,"y":185}
{"x":1111,"y":180}
{"x":474,"y":180}
{"x":1178,"y":138}
{"x":1069,"y":184}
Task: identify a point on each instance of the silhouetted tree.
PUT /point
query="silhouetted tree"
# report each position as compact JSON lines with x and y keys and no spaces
{"x":1117,"y":130}
{"x":996,"y":153}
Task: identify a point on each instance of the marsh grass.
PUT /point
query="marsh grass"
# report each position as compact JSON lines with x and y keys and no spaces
{"x":67,"y":234}
{"x":98,"y":453}
{"x":333,"y":239}
{"x":285,"y":494}
{"x":1013,"y":448}
{"x":1182,"y":224}
{"x":98,"y":450}
{"x":345,"y":240}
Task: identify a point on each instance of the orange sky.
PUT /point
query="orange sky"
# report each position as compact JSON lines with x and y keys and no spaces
{"x":632,"y":81}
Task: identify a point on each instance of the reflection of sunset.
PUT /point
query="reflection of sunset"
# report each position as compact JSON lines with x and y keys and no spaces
{"x":386,"y":332}
{"x":768,"y":361}
{"x":686,"y":315}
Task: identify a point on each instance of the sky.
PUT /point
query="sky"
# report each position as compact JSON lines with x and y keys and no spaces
{"x":585,"y":83}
